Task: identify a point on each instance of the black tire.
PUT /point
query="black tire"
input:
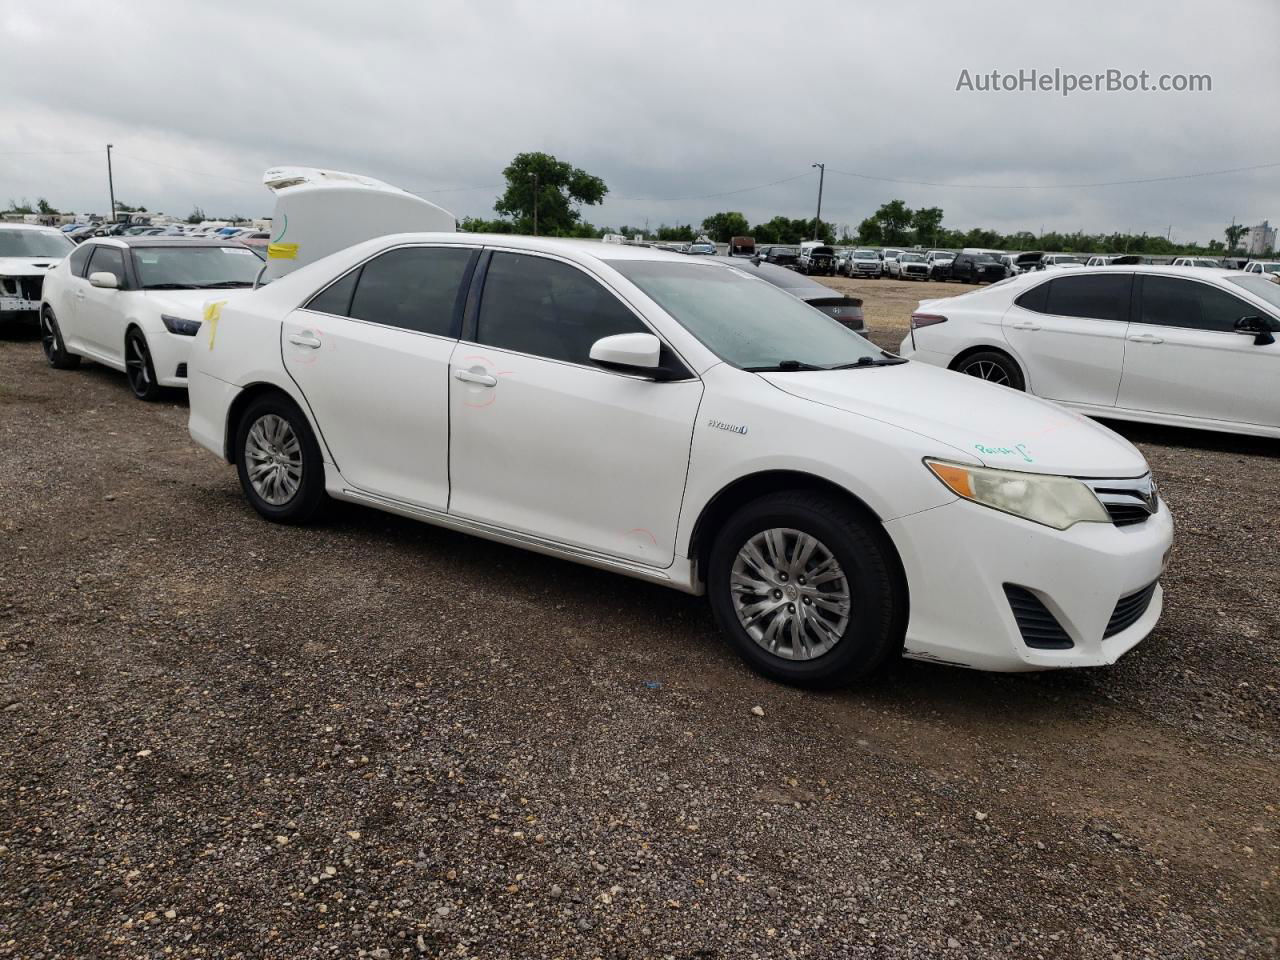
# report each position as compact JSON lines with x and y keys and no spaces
{"x":55,"y":350}
{"x":994,"y":367}
{"x":876,"y":623}
{"x":310,"y":494}
{"x":139,"y":370}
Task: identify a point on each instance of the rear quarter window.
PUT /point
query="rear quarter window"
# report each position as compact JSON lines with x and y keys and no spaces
{"x":1036,"y":299}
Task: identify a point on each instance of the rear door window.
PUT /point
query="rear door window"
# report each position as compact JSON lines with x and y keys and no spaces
{"x":412,"y":288}
{"x":1094,"y":297}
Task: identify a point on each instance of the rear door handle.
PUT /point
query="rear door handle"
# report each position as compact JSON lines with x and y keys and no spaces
{"x":305,"y":340}
{"x":1025,"y":325}
{"x":1146,"y":338}
{"x":483,"y":379}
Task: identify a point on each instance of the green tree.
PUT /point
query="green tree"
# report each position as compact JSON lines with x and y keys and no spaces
{"x":677,"y":233}
{"x":23,"y":207}
{"x":1233,"y":234}
{"x":869,"y":232}
{"x":927,"y":223}
{"x":895,"y":219}
{"x":721,"y":227}
{"x":42,"y":206}
{"x":196,"y":215}
{"x":560,"y":187}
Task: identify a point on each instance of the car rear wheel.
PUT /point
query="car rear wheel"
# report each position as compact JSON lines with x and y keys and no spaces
{"x":138,"y":368}
{"x":279,"y":462}
{"x":55,"y":351}
{"x":806,"y":591}
{"x":994,"y":367}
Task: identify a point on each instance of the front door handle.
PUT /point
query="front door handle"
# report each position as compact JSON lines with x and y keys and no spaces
{"x":483,"y":379}
{"x":305,"y":340}
{"x":1025,"y":325}
{"x":1146,"y":338}
{"x":79,"y":294}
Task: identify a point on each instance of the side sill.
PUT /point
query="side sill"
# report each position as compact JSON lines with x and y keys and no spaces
{"x":679,"y":576}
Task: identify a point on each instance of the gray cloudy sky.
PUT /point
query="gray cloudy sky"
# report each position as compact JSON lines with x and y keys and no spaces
{"x":661,"y":99}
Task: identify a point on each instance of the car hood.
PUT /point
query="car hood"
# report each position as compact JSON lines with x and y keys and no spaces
{"x":994,"y":425}
{"x":189,"y":304}
{"x":27,"y":266}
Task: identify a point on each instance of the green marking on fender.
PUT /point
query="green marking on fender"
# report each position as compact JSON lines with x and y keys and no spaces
{"x":1018,"y":449}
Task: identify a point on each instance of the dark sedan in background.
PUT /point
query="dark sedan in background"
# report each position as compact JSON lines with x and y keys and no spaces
{"x":844,"y":310}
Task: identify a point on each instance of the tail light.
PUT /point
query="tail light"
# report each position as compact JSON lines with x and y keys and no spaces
{"x":919,"y":320}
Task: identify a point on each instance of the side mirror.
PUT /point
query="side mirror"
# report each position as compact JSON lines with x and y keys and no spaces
{"x":756,"y":259}
{"x":107,"y":281}
{"x":639,"y":353}
{"x":1257,"y":327}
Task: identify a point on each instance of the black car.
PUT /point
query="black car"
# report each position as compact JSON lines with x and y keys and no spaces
{"x":779,"y":255}
{"x":817,"y":260}
{"x":846,"y":311}
{"x":976,"y":268}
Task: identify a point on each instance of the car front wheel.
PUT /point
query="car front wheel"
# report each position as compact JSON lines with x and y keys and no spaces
{"x":279,"y":462}
{"x":138,"y":367}
{"x":805,"y":589}
{"x":55,"y":350}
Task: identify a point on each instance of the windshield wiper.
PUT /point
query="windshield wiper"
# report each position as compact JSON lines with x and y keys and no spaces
{"x":169,"y":286}
{"x":226,"y":283}
{"x":783,"y":366}
{"x":889,"y":361}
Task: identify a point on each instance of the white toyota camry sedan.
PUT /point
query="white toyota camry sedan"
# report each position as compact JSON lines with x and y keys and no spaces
{"x":1184,"y":346}
{"x":679,"y":420}
{"x":133,"y":303}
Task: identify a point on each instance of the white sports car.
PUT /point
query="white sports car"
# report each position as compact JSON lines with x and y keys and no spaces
{"x":679,"y":420}
{"x":1186,"y":346}
{"x":134,"y":304}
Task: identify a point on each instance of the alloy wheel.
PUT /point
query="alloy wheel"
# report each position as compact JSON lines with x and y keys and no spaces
{"x":48,"y":336}
{"x":989,"y":371}
{"x":790,"y":594}
{"x":137,"y":365}
{"x":273,"y":459}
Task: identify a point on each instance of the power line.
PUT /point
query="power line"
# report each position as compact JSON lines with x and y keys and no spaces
{"x":198,"y":173}
{"x":712,"y":196}
{"x":1056,"y":186}
{"x":32,"y":153}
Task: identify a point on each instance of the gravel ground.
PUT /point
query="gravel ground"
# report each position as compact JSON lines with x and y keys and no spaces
{"x":224,"y":738}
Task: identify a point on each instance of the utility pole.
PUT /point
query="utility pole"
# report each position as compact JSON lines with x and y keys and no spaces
{"x":817,"y":220}
{"x":111,"y":185}
{"x":535,"y":204}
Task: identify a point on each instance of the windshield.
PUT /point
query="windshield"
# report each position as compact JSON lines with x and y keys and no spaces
{"x":193,"y":267}
{"x":984,"y":258}
{"x":34,"y":243}
{"x":911,"y":258}
{"x":1066,"y":260}
{"x":777,"y":250}
{"x":744,"y":321}
{"x":865,"y":255}
{"x":1260,"y":286}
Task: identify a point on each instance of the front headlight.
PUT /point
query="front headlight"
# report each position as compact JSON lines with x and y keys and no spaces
{"x":1058,"y":502}
{"x":180,"y":326}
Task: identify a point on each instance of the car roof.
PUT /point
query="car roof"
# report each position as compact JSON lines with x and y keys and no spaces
{"x":7,"y":225}
{"x":172,"y":240}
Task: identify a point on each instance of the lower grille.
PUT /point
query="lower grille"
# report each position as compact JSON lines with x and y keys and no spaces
{"x":181,"y":371}
{"x":1127,"y":514}
{"x":1129,"y":610}
{"x":1040,"y":629}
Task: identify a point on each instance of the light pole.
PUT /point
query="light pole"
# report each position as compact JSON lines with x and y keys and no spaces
{"x":817,"y":220}
{"x":111,"y":185}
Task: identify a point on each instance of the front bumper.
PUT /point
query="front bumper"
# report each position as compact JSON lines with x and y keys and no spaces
{"x":169,"y":354}
{"x":959,"y":557}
